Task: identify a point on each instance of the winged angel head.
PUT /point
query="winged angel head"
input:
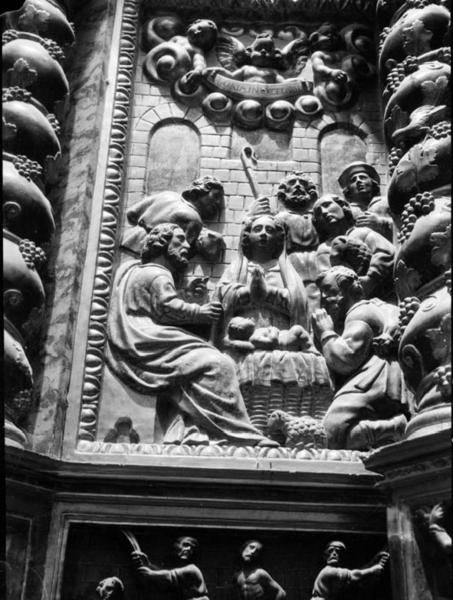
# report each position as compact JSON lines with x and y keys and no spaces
{"x":263,"y":53}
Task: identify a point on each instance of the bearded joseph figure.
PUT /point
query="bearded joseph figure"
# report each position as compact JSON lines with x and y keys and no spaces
{"x":265,"y":324}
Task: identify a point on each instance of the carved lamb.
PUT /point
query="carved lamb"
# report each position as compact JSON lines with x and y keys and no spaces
{"x":299,"y":432}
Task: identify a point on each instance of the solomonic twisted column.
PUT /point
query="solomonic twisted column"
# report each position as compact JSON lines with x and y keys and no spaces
{"x":35,"y":89}
{"x":414,"y":65}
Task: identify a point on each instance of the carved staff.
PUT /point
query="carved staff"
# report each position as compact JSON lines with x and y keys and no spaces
{"x":249,"y":162}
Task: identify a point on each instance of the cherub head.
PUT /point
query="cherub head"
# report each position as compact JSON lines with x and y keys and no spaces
{"x":326,"y":38}
{"x":262,"y":53}
{"x":202,"y":33}
{"x":297,"y":192}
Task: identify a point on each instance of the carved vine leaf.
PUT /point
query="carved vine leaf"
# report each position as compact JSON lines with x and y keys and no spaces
{"x":416,"y":38}
{"x":441,"y":250}
{"x":296,"y":53}
{"x":21,"y":74}
{"x":417,"y":166}
{"x":407,"y":279}
{"x":32,"y":18}
{"x":9,"y":130}
{"x":412,"y":358}
{"x":229,"y":50}
{"x":398,"y":119}
{"x":433,"y":91}
{"x":440,"y":339}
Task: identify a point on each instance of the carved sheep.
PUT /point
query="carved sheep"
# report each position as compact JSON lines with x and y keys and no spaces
{"x":299,"y":432}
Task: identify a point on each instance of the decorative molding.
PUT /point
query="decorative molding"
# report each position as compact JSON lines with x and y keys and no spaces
{"x":226,"y":452}
{"x":109,"y":225}
{"x":270,"y":9}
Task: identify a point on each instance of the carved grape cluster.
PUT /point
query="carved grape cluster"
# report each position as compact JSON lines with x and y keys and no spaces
{"x":419,"y":3}
{"x":394,"y":158}
{"x":9,"y":35}
{"x":53,"y":49}
{"x":419,"y":205}
{"x":408,"y":307}
{"x":54,"y":122}
{"x":400,"y":71}
{"x":18,"y":406}
{"x":28,"y":168}
{"x":440,"y":130}
{"x":442,"y":377}
{"x":15,"y":93}
{"x":33,"y":255}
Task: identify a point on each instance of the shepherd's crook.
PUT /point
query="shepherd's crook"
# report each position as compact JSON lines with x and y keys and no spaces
{"x":249,"y":162}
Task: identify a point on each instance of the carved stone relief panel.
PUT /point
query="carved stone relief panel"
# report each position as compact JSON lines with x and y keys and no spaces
{"x":249,"y":560}
{"x":232,"y":255}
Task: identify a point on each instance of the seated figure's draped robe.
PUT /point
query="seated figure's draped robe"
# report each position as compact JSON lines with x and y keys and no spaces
{"x":149,"y":351}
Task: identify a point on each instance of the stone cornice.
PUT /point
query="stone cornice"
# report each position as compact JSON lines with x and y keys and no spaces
{"x":58,"y":474}
{"x":270,"y":9}
{"x":405,"y":462}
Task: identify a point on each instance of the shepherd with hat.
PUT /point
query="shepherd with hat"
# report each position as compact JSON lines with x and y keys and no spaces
{"x":360,"y":184}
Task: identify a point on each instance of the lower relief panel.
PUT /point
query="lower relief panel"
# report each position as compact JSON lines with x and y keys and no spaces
{"x":96,"y":555}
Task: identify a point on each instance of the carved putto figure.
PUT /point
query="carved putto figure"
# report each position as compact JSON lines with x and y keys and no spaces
{"x":181,"y":57}
{"x":202,"y":201}
{"x":184,"y":580}
{"x":366,"y":411}
{"x":337,"y":65}
{"x":254,"y":582}
{"x":262,"y":61}
{"x":151,"y":351}
{"x":333,"y":580}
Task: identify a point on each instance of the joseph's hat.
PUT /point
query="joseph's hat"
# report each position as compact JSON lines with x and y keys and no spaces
{"x":357,"y":167}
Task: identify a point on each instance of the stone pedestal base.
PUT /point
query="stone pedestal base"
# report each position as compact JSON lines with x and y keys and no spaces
{"x":417,"y":475}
